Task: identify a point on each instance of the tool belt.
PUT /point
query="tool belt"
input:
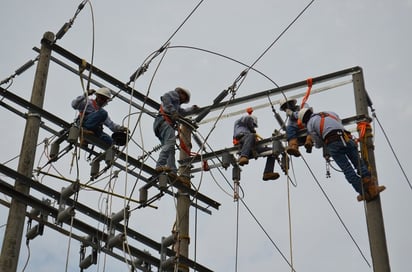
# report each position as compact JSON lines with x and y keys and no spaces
{"x":337,"y":135}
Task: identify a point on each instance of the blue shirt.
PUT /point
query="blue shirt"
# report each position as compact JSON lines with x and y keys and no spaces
{"x":330,"y":123}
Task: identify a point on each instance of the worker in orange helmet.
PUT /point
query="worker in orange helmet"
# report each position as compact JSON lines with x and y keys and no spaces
{"x":244,"y":134}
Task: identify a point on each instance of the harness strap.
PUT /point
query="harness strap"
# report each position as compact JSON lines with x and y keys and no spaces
{"x":323,"y":115}
{"x":94,"y":104}
{"x":309,"y":81}
{"x":165,"y":115}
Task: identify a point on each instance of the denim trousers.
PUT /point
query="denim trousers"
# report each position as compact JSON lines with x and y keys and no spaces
{"x":166,"y":134}
{"x":248,"y":143}
{"x":347,"y":158}
{"x":94,"y":122}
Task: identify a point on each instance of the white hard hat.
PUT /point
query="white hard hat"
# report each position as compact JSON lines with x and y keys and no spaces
{"x":304,"y":114}
{"x":186,"y":91}
{"x":105,"y":92}
{"x":287,"y":103}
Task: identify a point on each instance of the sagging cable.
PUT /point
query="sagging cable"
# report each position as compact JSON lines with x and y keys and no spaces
{"x":143,"y":68}
{"x":69,"y":24}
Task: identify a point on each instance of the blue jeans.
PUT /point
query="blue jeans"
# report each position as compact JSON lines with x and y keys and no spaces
{"x":292,"y":131}
{"x":344,"y":155}
{"x":248,"y":143}
{"x":166,"y":134}
{"x":94,"y":122}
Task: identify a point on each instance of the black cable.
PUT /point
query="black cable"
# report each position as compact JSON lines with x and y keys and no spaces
{"x":267,"y":235}
{"x":282,"y":33}
{"x":237,"y":235}
{"x":393,"y":151}
{"x":336,"y":212}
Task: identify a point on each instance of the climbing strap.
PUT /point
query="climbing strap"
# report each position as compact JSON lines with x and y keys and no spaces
{"x":304,"y":99}
{"x":165,"y":115}
{"x":309,"y":81}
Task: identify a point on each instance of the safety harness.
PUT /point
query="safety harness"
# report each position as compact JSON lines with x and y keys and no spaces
{"x":95,"y":106}
{"x":323,"y":115}
{"x":165,"y":115}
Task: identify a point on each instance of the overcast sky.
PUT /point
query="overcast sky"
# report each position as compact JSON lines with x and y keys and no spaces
{"x":328,"y":37}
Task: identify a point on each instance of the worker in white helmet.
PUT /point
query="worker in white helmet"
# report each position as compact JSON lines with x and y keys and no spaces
{"x":244,"y":134}
{"x":164,"y":126}
{"x":327,"y":131}
{"x":92,"y":115}
{"x":293,"y":127}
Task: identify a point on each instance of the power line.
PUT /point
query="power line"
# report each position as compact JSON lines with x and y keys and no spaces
{"x":336,"y":212}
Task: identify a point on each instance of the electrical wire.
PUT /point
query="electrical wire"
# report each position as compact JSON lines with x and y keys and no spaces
{"x":28,"y":257}
{"x":335,"y":211}
{"x":237,"y":235}
{"x":279,"y":36}
{"x":393,"y":151}
{"x":267,"y":235}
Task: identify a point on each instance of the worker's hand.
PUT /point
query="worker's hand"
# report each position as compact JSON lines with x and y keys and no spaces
{"x":91,"y":91}
{"x":123,"y":129}
{"x":195,"y":107}
{"x":289,"y":112}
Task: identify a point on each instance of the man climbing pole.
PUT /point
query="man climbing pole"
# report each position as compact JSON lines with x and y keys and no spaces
{"x":327,"y":130}
{"x":164,"y":126}
{"x":293,"y":127}
{"x":92,"y":116}
{"x":244,"y":134}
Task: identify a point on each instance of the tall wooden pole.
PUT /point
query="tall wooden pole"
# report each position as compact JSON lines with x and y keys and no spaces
{"x":183,"y":200}
{"x":15,"y":222}
{"x":374,"y":217}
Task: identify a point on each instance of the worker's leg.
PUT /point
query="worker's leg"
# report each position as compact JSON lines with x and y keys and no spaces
{"x":338,"y":152}
{"x":94,"y":120}
{"x":168,"y":140}
{"x":268,"y":173}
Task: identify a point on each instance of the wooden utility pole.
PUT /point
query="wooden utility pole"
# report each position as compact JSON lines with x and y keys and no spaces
{"x":183,"y":200}
{"x":374,"y":217}
{"x":15,"y":223}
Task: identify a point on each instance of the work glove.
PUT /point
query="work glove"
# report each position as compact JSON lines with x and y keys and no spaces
{"x":123,"y":129}
{"x":289,"y":112}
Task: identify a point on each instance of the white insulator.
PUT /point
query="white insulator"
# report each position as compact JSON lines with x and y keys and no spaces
{"x":66,"y":214}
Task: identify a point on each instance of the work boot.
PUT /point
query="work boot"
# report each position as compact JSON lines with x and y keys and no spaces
{"x":293,"y":147}
{"x":270,"y":176}
{"x":164,"y":168}
{"x":308,"y":144}
{"x":370,"y":189}
{"x":243,"y":160}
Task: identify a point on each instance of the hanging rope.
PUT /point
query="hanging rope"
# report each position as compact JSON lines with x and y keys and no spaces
{"x":306,"y":97}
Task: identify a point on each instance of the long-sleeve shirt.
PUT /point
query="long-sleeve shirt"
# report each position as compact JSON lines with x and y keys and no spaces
{"x":246,"y":124}
{"x":171,"y":103}
{"x":79,"y":103}
{"x":330,"y":124}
